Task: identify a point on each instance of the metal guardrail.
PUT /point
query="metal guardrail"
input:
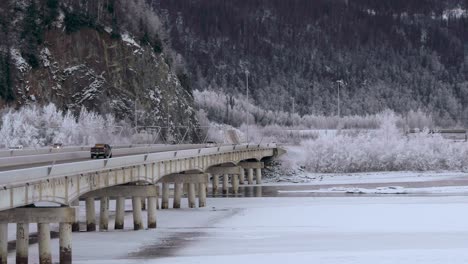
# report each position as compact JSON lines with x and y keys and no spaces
{"x":49,"y":150}
{"x":64,"y":156}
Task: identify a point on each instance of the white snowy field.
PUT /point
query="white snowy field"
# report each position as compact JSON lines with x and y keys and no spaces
{"x":368,"y":177}
{"x":392,"y":230}
{"x":460,"y":190}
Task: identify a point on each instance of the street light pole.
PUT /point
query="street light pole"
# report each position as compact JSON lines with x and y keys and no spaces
{"x":247,"y":92}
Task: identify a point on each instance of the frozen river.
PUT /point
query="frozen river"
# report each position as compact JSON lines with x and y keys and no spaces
{"x":279,"y":230}
{"x":348,"y":229}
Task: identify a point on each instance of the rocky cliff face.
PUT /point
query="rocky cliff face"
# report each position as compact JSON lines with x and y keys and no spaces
{"x":101,"y":65}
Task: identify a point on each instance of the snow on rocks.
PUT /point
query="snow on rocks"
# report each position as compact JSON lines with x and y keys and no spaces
{"x":19,"y":61}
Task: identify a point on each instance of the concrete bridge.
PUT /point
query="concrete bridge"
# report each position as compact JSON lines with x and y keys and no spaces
{"x":135,"y":177}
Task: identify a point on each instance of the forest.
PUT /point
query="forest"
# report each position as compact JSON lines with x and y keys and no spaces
{"x":399,"y":55}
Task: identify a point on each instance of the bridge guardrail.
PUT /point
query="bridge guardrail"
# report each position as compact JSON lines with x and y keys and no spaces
{"x":49,"y":150}
{"x":32,"y":159}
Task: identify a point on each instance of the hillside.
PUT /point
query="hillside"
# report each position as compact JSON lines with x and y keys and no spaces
{"x":93,"y":54}
{"x":398,"y":54}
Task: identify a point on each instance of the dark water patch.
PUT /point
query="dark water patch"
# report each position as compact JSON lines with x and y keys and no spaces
{"x":292,"y":190}
{"x":167,"y":247}
{"x":175,"y":241}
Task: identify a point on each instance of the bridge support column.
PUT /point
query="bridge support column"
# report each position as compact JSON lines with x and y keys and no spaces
{"x":259,"y":176}
{"x":137,"y":222}
{"x":43,"y":237}
{"x":76,"y":224}
{"x":90,"y":215}
{"x":242,"y":176}
{"x":235,"y":183}
{"x":202,"y":195}
{"x":165,"y":196}
{"x":250,"y":176}
{"x":152,"y":212}
{"x":65,"y":216}
{"x":191,"y":195}
{"x":225,"y":183}
{"x":119,"y":213}
{"x":3,"y":243}
{"x":215,"y":184}
{"x":65,"y":236}
{"x":177,"y":195}
{"x":104,"y":214}
{"x":22,"y":243}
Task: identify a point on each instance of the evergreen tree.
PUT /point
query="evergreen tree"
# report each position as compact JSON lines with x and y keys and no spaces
{"x":32,"y":34}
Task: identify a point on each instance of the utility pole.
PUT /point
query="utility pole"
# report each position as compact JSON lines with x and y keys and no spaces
{"x":135,"y":113}
{"x":339,"y":84}
{"x":293,"y":105}
{"x":247,"y":92}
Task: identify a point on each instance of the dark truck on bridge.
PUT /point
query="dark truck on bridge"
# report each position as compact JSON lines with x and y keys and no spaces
{"x":103,"y":150}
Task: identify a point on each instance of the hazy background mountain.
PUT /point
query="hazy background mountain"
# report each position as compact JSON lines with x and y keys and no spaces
{"x":399,"y":54}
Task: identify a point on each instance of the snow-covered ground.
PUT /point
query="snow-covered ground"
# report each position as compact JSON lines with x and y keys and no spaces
{"x":366,"y":177}
{"x":413,"y":230}
{"x":387,"y":190}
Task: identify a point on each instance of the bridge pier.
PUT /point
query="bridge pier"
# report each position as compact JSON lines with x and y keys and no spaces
{"x":215,"y":184}
{"x":259,"y":176}
{"x":225,"y":183}
{"x":90,"y":215}
{"x":202,"y":195}
{"x":119,"y":213}
{"x":191,"y":195}
{"x":65,"y":216}
{"x":177,"y":195}
{"x":250,"y":176}
{"x":152,"y":212}
{"x":242,"y":176}
{"x":137,"y":219}
{"x":104,"y":214}
{"x":43,"y":230}
{"x":235,"y":183}
{"x":165,"y":196}
{"x":251,"y":166}
{"x":76,"y":224}
{"x":3,"y":243}
{"x":65,"y":246}
{"x":22,"y":243}
{"x":190,"y":183}
{"x":121,"y":192}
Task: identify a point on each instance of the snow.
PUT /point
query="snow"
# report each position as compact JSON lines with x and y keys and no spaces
{"x":413,"y":230}
{"x":70,"y":70}
{"x":19,"y":61}
{"x":368,"y":177}
{"x":455,"y":13}
{"x":128,"y":39}
{"x":387,"y":190}
{"x":45,"y":57}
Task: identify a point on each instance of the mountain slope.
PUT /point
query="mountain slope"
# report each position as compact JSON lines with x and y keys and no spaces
{"x":389,"y":54}
{"x":91,"y":53}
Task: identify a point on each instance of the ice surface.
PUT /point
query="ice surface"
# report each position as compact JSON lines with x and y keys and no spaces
{"x":409,"y":230}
